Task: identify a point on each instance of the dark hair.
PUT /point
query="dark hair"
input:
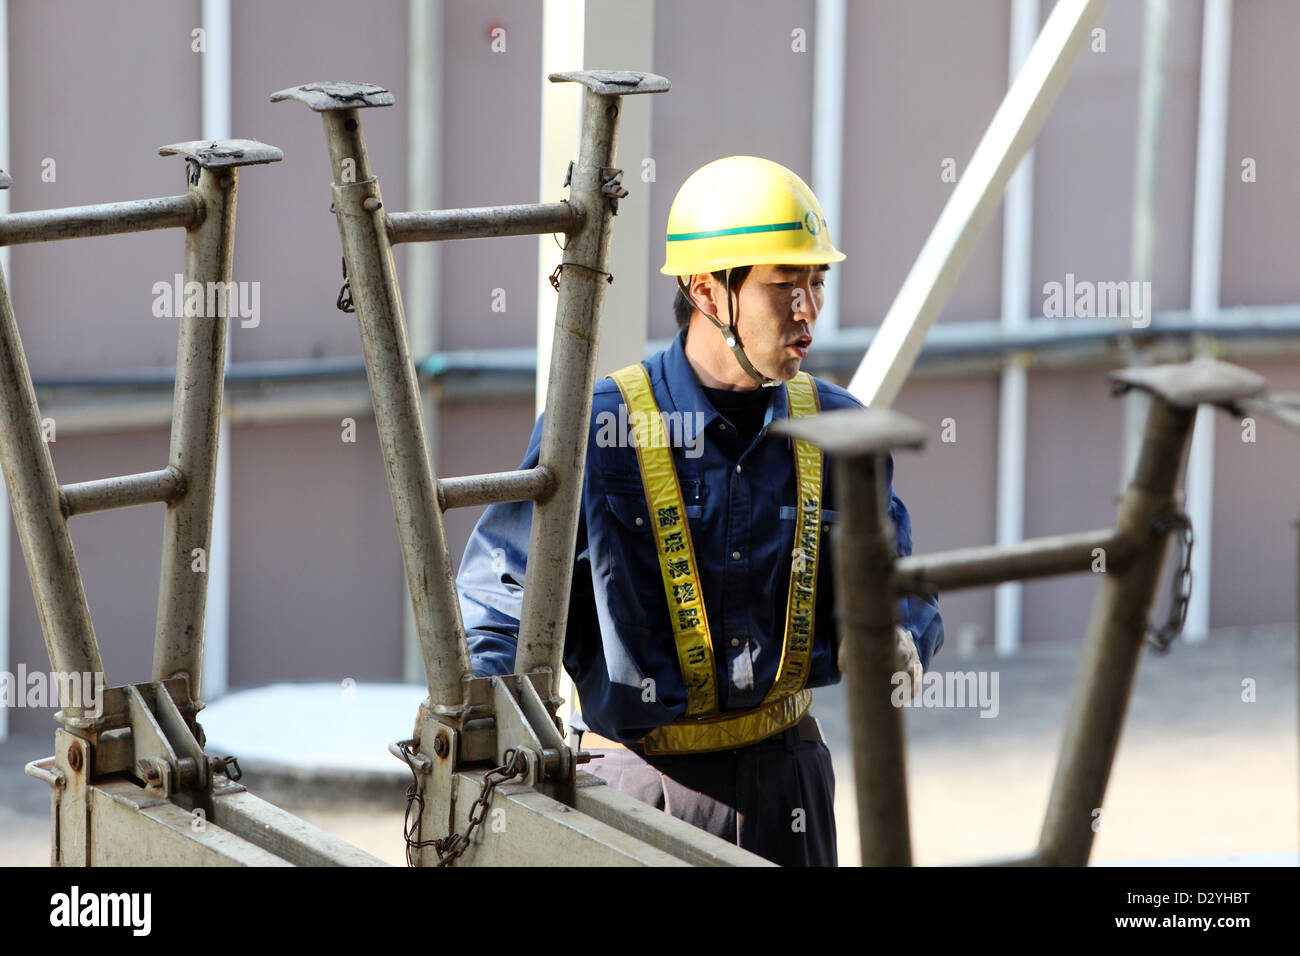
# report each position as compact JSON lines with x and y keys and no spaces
{"x":682,"y":307}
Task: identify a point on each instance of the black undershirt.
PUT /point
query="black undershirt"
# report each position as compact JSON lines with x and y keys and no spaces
{"x":744,"y":409}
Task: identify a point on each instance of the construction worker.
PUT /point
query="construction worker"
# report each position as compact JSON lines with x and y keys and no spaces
{"x":702,"y":605}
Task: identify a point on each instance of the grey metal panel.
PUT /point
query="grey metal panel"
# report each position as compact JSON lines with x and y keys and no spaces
{"x":1260,"y":241}
{"x":118,"y":554}
{"x":1084,"y":161}
{"x":491,"y":137}
{"x":922,"y":81}
{"x":1256,"y":497}
{"x":286,"y":238}
{"x":738,"y":89}
{"x":86,"y":305}
{"x":316,"y":580}
{"x":949,"y":491}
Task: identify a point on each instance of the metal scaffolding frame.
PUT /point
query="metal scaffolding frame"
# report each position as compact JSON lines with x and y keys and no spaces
{"x":129,"y":780}
{"x":498,"y":737}
{"x":1132,"y":554}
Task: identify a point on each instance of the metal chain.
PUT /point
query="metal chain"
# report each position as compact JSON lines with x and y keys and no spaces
{"x":1160,"y":638}
{"x":452,"y":846}
{"x":555,"y":276}
{"x":344,"y":301}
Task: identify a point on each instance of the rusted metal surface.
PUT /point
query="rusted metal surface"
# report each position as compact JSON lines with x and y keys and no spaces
{"x":1113,"y":644}
{"x":219,"y":154}
{"x":103,"y":219}
{"x":1188,"y":384}
{"x":532,"y":484}
{"x":38,"y":515}
{"x":863,"y":548}
{"x":336,"y":95}
{"x":614,"y":82}
{"x":594,"y":188}
{"x":121,"y":492}
{"x":1033,"y":558}
{"x":394,"y":389}
{"x":196,"y":421}
{"x":854,"y":432}
{"x":483,"y":222}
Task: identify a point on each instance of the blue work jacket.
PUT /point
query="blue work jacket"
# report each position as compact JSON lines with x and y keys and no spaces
{"x":740,"y":502}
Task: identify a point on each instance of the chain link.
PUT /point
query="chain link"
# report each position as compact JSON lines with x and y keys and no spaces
{"x":344,"y":301}
{"x":1159,"y":639}
{"x":555,"y":276}
{"x":452,"y":846}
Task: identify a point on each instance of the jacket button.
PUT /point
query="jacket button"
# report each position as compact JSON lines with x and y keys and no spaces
{"x":640,"y":521}
{"x":735,"y":555}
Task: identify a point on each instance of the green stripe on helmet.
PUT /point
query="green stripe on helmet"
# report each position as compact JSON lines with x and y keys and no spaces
{"x":736,"y":231}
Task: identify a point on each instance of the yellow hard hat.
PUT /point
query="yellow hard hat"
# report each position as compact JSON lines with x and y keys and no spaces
{"x":743,"y":211}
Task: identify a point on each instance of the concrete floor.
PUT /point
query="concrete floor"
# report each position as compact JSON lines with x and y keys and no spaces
{"x":1200,"y":772}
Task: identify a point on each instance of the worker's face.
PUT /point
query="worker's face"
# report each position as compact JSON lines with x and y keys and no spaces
{"x":776,"y":309}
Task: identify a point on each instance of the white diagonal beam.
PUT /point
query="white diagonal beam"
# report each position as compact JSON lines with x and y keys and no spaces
{"x":1013,"y":129}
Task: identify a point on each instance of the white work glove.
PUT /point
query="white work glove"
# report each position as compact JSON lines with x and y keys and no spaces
{"x":906,"y":660}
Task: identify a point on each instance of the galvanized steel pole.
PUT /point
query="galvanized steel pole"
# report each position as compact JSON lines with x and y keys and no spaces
{"x":196,"y":421}
{"x":38,"y":515}
{"x":363,"y":231}
{"x":545,"y":613}
{"x":864,"y":550}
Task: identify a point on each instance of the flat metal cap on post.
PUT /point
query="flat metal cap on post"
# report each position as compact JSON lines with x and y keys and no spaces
{"x":1203,"y":380}
{"x":336,"y":95}
{"x":855,"y":432}
{"x":221,"y":153}
{"x":614,"y":82}
{"x":5,"y":180}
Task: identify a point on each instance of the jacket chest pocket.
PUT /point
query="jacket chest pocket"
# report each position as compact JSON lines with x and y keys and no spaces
{"x":630,"y":509}
{"x":829,"y":517}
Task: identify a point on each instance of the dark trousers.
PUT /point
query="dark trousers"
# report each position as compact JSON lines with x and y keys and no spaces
{"x":775,"y":798}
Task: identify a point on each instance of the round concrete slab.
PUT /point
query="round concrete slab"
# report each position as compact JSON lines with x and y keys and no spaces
{"x":326,"y":729}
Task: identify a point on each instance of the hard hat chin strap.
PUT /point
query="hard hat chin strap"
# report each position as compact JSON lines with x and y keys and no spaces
{"x":731,"y":336}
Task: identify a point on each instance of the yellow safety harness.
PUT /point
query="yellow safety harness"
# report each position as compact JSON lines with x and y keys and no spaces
{"x":704,"y":728}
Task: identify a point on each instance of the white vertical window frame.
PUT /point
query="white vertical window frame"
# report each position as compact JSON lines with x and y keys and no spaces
{"x":1013,"y":398}
{"x":423,"y":282}
{"x":829,"y":41}
{"x":563,"y":34}
{"x":216,"y":105}
{"x":1207,"y":263}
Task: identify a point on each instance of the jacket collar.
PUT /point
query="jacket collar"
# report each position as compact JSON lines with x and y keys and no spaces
{"x":686,"y":394}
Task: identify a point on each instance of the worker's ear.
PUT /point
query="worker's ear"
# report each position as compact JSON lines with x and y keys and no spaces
{"x":706,"y":293}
